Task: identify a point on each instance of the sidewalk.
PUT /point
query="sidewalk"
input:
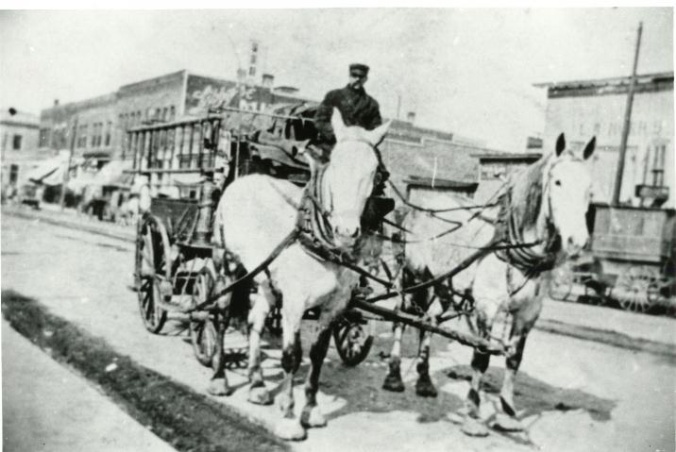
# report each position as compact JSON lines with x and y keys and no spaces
{"x":46,"y":407}
{"x":659,"y":330}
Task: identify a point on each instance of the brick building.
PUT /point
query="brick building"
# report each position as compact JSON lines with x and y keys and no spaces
{"x":409,"y":150}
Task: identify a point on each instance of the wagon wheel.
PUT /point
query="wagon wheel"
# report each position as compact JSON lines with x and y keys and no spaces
{"x":352,"y":341}
{"x":152,"y":269}
{"x":636,"y":289}
{"x":203,"y":335}
{"x":561,"y":284}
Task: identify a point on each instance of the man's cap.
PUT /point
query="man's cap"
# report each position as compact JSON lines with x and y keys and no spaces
{"x":359,"y":69}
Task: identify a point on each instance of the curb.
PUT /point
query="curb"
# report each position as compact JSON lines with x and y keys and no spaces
{"x":604,"y":336}
{"x":180,"y":416}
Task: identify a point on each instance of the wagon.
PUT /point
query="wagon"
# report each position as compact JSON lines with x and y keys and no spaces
{"x":630,"y":259}
{"x":188,"y":163}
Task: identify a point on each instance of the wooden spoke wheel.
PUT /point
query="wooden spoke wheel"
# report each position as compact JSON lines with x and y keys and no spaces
{"x":636,"y":289}
{"x":203,"y":334}
{"x":352,"y":340}
{"x":561,"y":284}
{"x":152,"y":270}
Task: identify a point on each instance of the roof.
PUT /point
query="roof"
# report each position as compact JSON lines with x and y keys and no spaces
{"x":19,"y":118}
{"x":418,"y":181}
{"x":531,"y":156}
{"x":597,"y":83}
{"x":660,"y":81}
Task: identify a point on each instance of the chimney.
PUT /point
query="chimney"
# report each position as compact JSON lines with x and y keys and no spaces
{"x":56,"y":102}
{"x":241,"y":75}
{"x":268,"y":80}
{"x":410,"y":117}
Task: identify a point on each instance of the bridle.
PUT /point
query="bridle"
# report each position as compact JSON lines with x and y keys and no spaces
{"x":314,"y":215}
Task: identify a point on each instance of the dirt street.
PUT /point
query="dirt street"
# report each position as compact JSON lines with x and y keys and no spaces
{"x":576,"y":395}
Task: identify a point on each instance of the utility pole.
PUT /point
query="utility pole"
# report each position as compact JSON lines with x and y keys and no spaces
{"x":66,"y":173}
{"x":627,"y":123}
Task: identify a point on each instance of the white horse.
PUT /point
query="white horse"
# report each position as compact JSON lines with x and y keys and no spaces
{"x":545,"y":204}
{"x":254,"y":216}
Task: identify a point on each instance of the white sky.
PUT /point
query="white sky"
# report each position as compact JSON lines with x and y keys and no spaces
{"x":469,"y":71}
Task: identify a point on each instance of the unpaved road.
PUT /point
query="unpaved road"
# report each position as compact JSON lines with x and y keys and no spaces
{"x":575,"y":395}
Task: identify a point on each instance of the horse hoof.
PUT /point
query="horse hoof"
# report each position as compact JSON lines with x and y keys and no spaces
{"x":393,"y":383}
{"x":284,"y":403}
{"x":290,"y":430}
{"x":260,"y":396}
{"x":507,"y":423}
{"x":456,"y":418}
{"x":425,"y":388}
{"x":312,"y":417}
{"x":219,"y":388}
{"x":474,"y":427}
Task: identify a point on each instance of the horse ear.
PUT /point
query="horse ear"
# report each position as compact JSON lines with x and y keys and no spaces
{"x":589,"y":149}
{"x":560,"y":144}
{"x":378,"y":134}
{"x":337,"y":123}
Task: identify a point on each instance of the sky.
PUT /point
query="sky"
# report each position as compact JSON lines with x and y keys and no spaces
{"x":467,"y":71}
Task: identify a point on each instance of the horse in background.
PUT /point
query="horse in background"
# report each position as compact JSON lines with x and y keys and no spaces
{"x":257,"y":213}
{"x":545,"y":206}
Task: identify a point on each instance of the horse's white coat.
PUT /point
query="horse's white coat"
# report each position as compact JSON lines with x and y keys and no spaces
{"x":553,"y":192}
{"x":255,"y":214}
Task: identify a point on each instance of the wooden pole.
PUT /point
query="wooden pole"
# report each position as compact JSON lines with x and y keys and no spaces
{"x":627,"y":123}
{"x":66,"y":173}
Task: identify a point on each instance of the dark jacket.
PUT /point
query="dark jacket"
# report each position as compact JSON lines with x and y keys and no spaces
{"x":357,"y":108}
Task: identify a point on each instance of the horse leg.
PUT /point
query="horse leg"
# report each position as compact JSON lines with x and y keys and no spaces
{"x":523,"y":321}
{"x":290,"y":428}
{"x":218,"y":385}
{"x":424,"y":387}
{"x":258,"y":393}
{"x":473,"y":425}
{"x":393,"y":381}
{"x":312,"y":416}
{"x":506,"y":420}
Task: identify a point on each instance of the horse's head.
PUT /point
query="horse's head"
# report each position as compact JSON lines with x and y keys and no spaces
{"x":349,"y":177}
{"x":569,"y":187}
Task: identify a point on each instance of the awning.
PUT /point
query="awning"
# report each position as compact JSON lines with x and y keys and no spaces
{"x":113,"y":174}
{"x":48,"y":172}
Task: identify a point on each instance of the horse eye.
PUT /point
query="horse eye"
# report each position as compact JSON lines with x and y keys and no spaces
{"x":557,"y":183}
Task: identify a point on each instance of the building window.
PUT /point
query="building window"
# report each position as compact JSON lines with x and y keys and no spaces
{"x":44,"y":138}
{"x":13,"y":174}
{"x":82,"y":139}
{"x":109,"y":127}
{"x":172,"y":113}
{"x":16,"y":142}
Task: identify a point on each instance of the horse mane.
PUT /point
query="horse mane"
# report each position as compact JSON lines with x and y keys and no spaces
{"x":526,"y":191}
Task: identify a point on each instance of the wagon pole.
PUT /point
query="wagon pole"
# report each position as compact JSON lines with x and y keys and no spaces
{"x":66,"y":173}
{"x":627,"y":123}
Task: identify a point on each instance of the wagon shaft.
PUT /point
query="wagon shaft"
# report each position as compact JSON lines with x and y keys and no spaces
{"x":408,"y":319}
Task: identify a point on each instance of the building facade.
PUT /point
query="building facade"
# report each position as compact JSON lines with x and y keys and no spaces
{"x":100,"y":123}
{"x":583,"y":109}
{"x":19,"y":133}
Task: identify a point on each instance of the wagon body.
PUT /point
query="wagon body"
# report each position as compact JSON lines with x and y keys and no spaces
{"x":188,"y":163}
{"x":631,"y":257}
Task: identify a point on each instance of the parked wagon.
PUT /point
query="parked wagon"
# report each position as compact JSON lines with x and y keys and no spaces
{"x":630,"y":261}
{"x":188,"y":164}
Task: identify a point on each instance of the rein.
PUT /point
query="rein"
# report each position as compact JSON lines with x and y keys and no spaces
{"x":428,"y":210}
{"x":530,"y":261}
